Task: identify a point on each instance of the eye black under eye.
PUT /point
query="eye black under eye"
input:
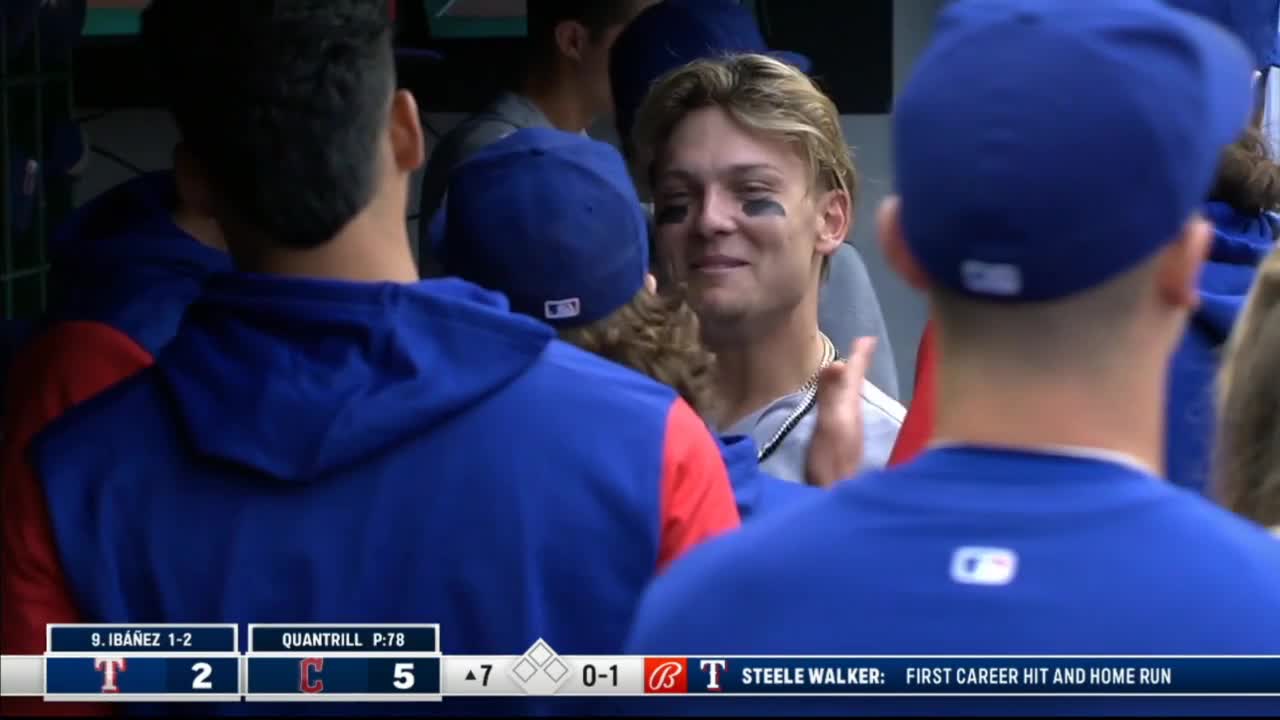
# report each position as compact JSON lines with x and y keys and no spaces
{"x":756,"y":207}
{"x":671,"y":214}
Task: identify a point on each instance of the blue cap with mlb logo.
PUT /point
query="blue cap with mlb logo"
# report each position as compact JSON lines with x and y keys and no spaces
{"x":550,"y":219}
{"x":1043,"y":147}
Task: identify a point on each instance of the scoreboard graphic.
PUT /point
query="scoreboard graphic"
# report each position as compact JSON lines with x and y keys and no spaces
{"x":142,"y":662}
{"x":367,"y":663}
{"x":404,"y":663}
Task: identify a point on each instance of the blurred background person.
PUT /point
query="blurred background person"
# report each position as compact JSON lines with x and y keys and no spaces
{"x":565,"y":85}
{"x":1241,"y":206}
{"x":1247,"y":456}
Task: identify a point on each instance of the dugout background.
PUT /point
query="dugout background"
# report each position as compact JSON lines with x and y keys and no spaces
{"x":863,"y":50}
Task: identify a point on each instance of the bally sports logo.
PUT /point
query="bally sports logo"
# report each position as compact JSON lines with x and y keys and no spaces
{"x":666,"y":675}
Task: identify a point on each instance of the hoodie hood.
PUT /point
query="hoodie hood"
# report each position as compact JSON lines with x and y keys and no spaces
{"x":1240,"y":242}
{"x":121,"y":260}
{"x":295,"y":378}
{"x":132,"y":224}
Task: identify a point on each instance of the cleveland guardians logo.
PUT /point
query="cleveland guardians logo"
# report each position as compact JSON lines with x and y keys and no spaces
{"x":110,"y":669}
{"x":307,"y":683}
{"x":666,"y":675}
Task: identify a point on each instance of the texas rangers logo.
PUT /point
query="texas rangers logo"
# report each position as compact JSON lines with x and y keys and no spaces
{"x":666,"y":675}
{"x":110,"y":667}
{"x":713,"y":668}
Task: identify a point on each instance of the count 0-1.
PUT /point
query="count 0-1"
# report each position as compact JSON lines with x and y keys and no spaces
{"x":592,"y":675}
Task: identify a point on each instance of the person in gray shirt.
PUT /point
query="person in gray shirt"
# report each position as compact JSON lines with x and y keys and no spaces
{"x":674,"y":32}
{"x":566,"y":87}
{"x":753,"y":191}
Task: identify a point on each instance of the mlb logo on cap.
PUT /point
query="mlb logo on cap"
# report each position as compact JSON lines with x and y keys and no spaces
{"x":983,"y":566}
{"x":551,"y":220}
{"x":991,"y":278}
{"x":1040,"y":184}
{"x":562,"y":309}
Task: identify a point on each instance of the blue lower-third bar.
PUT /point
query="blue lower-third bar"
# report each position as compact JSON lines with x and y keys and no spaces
{"x":1244,"y":676}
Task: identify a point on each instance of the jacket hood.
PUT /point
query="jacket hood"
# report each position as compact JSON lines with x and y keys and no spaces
{"x":129,"y":224}
{"x":295,"y":378}
{"x":1240,"y":242}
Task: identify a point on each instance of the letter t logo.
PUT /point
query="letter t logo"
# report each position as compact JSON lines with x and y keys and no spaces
{"x":713,"y":668}
{"x":110,"y":669}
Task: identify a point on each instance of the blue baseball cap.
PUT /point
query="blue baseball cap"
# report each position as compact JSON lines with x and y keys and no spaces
{"x":1255,"y":22}
{"x":676,"y":32}
{"x":552,"y":220}
{"x":1042,"y":147}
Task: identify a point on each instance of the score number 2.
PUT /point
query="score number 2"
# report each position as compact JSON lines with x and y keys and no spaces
{"x":201,"y":682}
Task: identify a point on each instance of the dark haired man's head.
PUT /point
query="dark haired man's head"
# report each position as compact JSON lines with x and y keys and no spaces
{"x":291,"y":123}
{"x":572,"y":38}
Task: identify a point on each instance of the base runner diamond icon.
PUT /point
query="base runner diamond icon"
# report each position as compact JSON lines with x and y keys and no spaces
{"x":556,"y":669}
{"x":539,"y":671}
{"x":524,"y":670}
{"x":540,"y":653}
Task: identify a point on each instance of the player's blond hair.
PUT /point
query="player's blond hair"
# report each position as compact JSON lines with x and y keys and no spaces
{"x":760,"y":93}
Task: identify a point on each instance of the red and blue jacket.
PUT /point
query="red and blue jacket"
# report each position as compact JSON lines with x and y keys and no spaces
{"x":319,"y":451}
{"x":125,"y":275}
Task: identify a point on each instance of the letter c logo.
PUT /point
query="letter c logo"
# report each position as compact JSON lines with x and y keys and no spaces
{"x":308,"y":666}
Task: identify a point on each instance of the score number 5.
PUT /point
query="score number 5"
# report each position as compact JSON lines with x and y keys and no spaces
{"x":403,"y":676}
